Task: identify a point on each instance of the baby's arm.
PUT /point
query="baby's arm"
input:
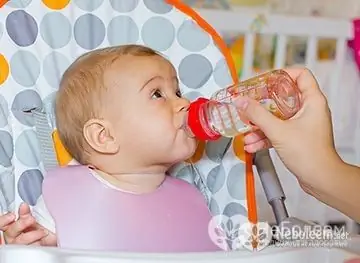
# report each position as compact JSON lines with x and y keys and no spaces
{"x":25,"y":230}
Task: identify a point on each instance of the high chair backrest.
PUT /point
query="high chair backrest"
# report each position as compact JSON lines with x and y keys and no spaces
{"x":39,"y":39}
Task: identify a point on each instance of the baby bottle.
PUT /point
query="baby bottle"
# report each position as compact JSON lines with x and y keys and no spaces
{"x":209,"y":119}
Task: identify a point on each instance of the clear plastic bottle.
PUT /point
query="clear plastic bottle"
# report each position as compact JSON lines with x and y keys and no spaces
{"x":209,"y":119}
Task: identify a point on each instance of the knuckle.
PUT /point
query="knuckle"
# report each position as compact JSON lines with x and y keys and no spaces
{"x":308,"y":71}
{"x":323,"y":101}
{"x":24,"y":223}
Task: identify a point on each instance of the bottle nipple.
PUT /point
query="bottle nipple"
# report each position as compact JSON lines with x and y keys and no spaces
{"x":198,"y":123}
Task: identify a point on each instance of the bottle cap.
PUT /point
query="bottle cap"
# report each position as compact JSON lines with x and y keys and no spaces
{"x":198,"y":124}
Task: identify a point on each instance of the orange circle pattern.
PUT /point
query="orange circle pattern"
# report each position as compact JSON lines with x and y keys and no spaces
{"x":198,"y":153}
{"x":4,"y":69}
{"x":56,"y":4}
{"x":238,"y":147}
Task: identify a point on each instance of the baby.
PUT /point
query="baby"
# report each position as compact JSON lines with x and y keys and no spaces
{"x":120,"y":114}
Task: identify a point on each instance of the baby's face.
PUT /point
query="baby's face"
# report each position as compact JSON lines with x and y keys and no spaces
{"x":148,"y":111}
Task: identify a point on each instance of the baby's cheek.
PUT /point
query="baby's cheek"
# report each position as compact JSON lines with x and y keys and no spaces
{"x":187,"y":150}
{"x":157,"y":133}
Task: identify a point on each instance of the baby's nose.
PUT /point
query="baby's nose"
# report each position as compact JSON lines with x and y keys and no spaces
{"x":184,"y":108}
{"x":182,"y":105}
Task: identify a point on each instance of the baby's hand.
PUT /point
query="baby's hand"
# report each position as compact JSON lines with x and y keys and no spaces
{"x":25,"y":230}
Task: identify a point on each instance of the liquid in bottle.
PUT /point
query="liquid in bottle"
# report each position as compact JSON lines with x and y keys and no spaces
{"x":209,"y":119}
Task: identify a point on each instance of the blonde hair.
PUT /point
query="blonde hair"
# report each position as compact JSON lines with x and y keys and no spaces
{"x":81,"y":88}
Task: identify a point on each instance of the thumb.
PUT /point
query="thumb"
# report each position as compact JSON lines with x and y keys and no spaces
{"x":24,"y":209}
{"x":259,"y":116}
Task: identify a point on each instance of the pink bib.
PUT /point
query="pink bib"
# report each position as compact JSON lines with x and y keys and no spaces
{"x":91,"y":215}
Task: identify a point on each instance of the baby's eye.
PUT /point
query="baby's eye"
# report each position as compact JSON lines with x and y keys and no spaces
{"x":156,"y":94}
{"x":178,"y":93}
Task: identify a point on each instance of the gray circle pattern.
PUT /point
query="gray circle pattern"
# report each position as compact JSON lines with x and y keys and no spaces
{"x":214,"y":207}
{"x":4,"y":112}
{"x":89,"y":31}
{"x":192,"y":95}
{"x":216,"y":179}
{"x":54,"y":66}
{"x":124,"y":6}
{"x":27,"y":149}
{"x":6,"y":149}
{"x":30,"y":186}
{"x":22,"y":28}
{"x":159,"y":7}
{"x":222,"y":75}
{"x":234,"y":209}
{"x":25,"y":68}
{"x":7,"y":181}
{"x":235,"y":182}
{"x":87,"y":5}
{"x":195,"y":70}
{"x":25,"y":101}
{"x":55,"y":38}
{"x":187,"y":174}
{"x":191,"y":37}
{"x":122,"y":30}
{"x":158,"y":33}
{"x":215,"y":150}
{"x":18,"y":3}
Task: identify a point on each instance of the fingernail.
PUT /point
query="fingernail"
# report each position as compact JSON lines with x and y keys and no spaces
{"x":25,"y":216}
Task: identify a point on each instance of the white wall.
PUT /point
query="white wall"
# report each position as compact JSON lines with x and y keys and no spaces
{"x":329,"y":8}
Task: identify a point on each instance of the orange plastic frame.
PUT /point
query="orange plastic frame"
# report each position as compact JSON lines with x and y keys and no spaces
{"x":3,"y":2}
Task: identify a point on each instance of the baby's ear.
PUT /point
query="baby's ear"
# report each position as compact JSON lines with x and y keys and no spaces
{"x":99,"y":134}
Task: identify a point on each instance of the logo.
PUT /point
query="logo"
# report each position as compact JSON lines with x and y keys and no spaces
{"x":234,"y":233}
{"x":255,"y":237}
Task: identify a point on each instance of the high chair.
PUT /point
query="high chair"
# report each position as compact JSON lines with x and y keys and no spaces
{"x":39,"y":39}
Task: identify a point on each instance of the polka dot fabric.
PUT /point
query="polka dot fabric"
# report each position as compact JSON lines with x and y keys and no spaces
{"x":39,"y":40}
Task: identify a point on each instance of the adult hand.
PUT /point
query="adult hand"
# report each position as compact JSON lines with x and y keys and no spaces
{"x":304,"y":143}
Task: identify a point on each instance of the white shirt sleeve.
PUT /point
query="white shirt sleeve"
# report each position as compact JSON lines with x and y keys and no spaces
{"x":42,"y":215}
